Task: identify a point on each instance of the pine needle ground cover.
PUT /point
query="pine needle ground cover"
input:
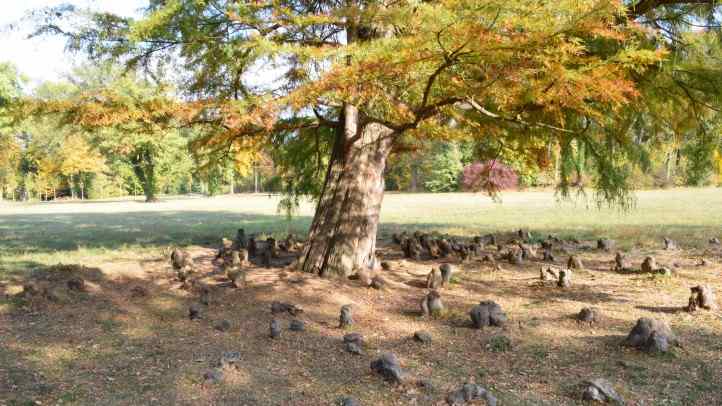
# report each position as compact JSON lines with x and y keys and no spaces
{"x":126,"y":339}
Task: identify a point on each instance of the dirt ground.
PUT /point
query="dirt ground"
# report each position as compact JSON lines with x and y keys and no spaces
{"x":127,"y":340}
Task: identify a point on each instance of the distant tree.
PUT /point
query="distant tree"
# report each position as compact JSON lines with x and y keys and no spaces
{"x":700,"y":158}
{"x":490,"y":176}
{"x":444,"y":168}
{"x":78,"y":158}
{"x":48,"y":177}
{"x":10,"y":155}
{"x":127,"y":118}
{"x":10,"y":149}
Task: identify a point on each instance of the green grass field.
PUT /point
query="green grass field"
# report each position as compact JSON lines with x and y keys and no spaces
{"x":52,"y":232}
{"x":110,"y":345}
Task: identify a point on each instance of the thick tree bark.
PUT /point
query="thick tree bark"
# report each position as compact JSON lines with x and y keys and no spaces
{"x":342,"y":238}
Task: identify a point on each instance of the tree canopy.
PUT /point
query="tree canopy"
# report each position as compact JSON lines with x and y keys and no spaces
{"x":549,"y":71}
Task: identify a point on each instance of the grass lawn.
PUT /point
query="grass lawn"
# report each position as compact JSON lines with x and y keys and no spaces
{"x":109,"y":345}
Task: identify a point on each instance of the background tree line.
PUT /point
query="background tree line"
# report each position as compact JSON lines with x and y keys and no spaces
{"x":438,"y":166}
{"x":42,"y":157}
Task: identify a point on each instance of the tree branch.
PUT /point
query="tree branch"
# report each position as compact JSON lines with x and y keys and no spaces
{"x":517,"y":120}
{"x":645,"y":6}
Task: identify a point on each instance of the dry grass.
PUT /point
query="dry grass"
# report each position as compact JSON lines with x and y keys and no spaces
{"x":105,"y":346}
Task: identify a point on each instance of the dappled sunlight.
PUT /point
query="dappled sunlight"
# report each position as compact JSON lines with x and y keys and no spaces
{"x":541,"y":329}
{"x":201,"y":221}
{"x":137,"y":344}
{"x":55,"y":356}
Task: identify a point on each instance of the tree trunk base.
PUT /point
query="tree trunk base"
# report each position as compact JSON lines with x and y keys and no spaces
{"x":342,"y":238}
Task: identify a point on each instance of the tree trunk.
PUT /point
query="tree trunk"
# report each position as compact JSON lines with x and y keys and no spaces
{"x":342,"y":238}
{"x":255,"y":179}
{"x":72,"y":187}
{"x":149,"y":186}
{"x":414,"y":177}
{"x":143,"y":163}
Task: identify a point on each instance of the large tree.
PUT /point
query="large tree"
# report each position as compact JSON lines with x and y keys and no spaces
{"x":372,"y":73}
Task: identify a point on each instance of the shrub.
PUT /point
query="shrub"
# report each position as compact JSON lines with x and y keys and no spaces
{"x":491,"y":176}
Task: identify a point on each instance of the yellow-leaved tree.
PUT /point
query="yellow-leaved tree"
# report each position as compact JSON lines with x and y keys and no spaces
{"x":76,"y":158}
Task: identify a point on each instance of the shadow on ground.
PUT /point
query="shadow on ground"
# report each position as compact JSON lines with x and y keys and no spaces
{"x":44,"y":233}
{"x":112,"y":345}
{"x":41,"y":233}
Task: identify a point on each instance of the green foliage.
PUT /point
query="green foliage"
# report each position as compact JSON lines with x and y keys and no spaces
{"x":156,"y":155}
{"x":405,"y":169}
{"x":99,"y":186}
{"x":700,"y":159}
{"x":175,"y":166}
{"x":301,"y":158}
{"x":10,"y":148}
{"x":445,"y":167}
{"x":213,"y":177}
{"x":432,"y":166}
{"x":414,"y":79}
{"x":11,"y":83}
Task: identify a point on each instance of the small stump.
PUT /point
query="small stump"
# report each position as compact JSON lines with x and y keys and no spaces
{"x":353,"y":343}
{"x":470,"y":392}
{"x":565,"y":278}
{"x":651,"y":335}
{"x":275,"y":328}
{"x":574,"y":262}
{"x":297,"y":325}
{"x":702,"y":297}
{"x":487,"y":313}
{"x":588,"y":315}
{"x":600,"y":390}
{"x":605,"y":244}
{"x":222,"y":326}
{"x":389,"y":368}
{"x":346,"y":317}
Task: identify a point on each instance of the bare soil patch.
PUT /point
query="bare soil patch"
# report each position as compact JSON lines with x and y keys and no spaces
{"x":126,"y":338}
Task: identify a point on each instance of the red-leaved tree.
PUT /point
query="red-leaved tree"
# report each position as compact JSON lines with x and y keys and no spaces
{"x":491,"y":176}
